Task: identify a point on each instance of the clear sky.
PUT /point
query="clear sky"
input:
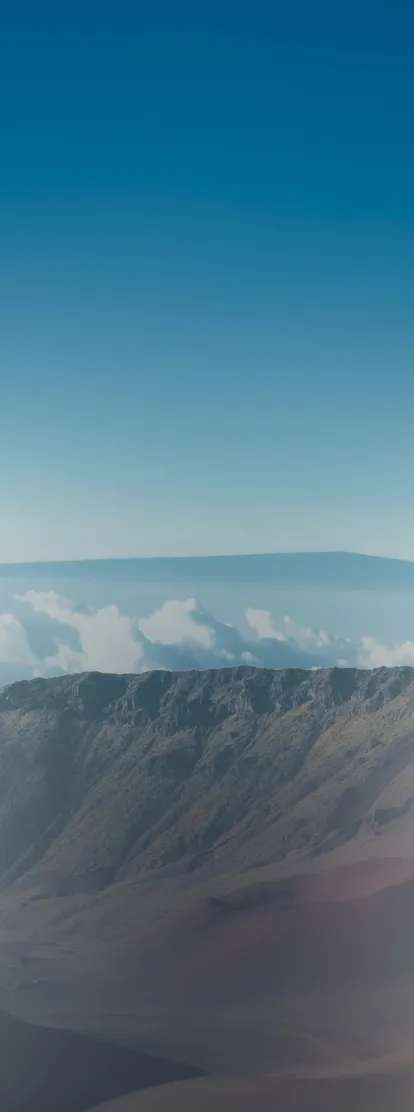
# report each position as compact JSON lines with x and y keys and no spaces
{"x":206,"y":277}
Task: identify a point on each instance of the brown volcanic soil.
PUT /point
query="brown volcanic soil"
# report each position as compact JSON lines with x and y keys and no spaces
{"x":303,"y":974}
{"x":296,"y":994}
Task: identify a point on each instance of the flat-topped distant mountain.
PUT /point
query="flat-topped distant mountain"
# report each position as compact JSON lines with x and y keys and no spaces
{"x":324,"y":569}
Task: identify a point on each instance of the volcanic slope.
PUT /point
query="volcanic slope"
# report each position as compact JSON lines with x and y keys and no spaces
{"x":105,"y":777}
{"x":217,"y":868}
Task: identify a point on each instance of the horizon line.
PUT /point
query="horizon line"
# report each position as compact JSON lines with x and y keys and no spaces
{"x":208,"y":556}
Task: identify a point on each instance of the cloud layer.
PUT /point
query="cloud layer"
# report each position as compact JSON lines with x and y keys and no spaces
{"x":179,"y":634}
{"x":105,"y":636}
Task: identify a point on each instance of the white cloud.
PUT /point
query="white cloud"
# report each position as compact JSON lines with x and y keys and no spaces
{"x":176,"y":623}
{"x":106,"y":636}
{"x":372,"y":654}
{"x":178,"y":634}
{"x":260,"y":621}
{"x":304,"y":636}
{"x":14,"y":646}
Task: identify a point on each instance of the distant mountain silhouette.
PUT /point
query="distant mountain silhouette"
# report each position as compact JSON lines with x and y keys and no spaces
{"x":321,"y":569}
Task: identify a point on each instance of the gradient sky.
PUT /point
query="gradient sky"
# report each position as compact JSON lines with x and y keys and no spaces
{"x":206,"y":277}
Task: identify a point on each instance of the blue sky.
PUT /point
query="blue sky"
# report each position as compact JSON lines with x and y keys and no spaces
{"x":206,"y":278}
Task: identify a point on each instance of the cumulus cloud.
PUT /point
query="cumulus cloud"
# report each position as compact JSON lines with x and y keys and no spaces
{"x":260,"y":621}
{"x":107,"y":638}
{"x":176,"y":623}
{"x":177,"y":635}
{"x":371,"y":654}
{"x":301,"y":639}
{"x":304,"y":636}
{"x":14,"y":645}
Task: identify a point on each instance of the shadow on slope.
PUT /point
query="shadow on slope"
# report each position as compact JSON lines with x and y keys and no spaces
{"x":43,"y":1070}
{"x":380,"y":1093}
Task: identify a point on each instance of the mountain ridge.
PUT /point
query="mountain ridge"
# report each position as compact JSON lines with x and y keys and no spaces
{"x":105,"y":777}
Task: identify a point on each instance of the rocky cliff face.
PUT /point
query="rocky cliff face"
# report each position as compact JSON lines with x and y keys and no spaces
{"x":104,"y":777}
